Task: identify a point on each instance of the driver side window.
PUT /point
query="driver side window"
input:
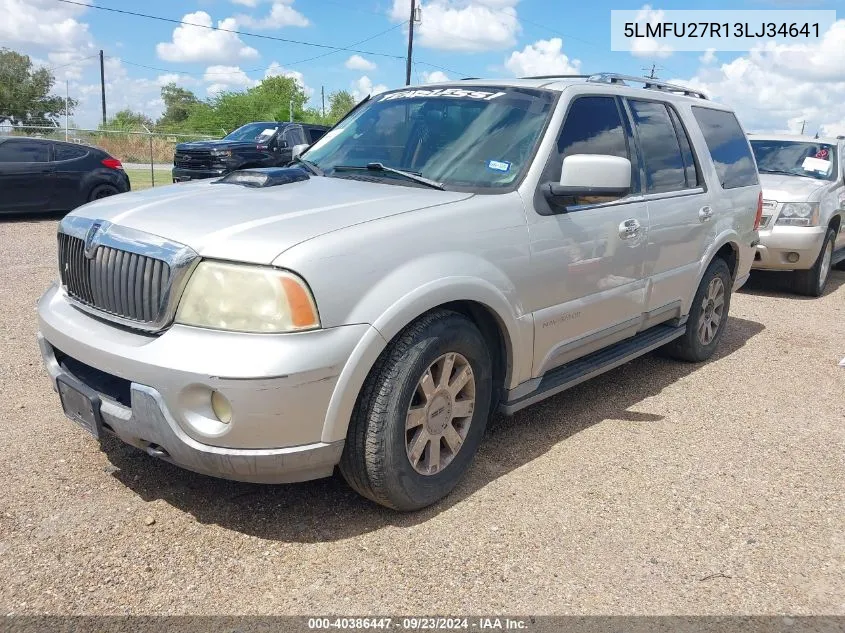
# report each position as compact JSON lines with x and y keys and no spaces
{"x":593,"y":125}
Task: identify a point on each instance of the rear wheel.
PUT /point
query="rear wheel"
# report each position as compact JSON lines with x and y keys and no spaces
{"x":421,"y":414}
{"x":812,"y":282}
{"x":102,"y":191}
{"x":708,"y":316}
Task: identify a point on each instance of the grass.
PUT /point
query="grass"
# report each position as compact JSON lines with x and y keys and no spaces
{"x":142,"y":178}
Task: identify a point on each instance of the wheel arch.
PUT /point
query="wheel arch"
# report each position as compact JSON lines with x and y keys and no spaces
{"x":481,"y":303}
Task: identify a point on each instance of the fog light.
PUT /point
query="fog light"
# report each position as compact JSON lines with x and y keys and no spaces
{"x":792,"y":257}
{"x":221,"y":407}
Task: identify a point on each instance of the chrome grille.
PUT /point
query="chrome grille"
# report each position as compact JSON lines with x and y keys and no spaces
{"x":122,"y":274}
{"x":125,"y":284}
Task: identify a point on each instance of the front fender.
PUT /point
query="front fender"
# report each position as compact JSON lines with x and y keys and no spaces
{"x":413,"y":289}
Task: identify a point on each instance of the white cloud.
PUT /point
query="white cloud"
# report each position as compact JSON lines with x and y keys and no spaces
{"x":43,"y":23}
{"x":434,"y":77}
{"x":364,"y":86}
{"x":247,"y":3}
{"x":223,"y":77}
{"x":463,"y":25}
{"x":649,"y":46}
{"x":543,"y":57}
{"x":196,"y":44}
{"x":176,"y":78}
{"x":775,"y":87}
{"x":356,"y":62}
{"x":281,"y":14}
{"x":709,"y":56}
{"x":277,"y":70}
{"x":122,"y":92}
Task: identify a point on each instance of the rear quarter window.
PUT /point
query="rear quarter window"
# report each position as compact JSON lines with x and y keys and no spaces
{"x":728,"y":146}
{"x":68,"y":152}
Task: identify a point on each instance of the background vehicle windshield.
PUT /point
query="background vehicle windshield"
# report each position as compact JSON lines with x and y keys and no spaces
{"x":252,"y":132}
{"x":475,"y":138}
{"x":797,"y":158}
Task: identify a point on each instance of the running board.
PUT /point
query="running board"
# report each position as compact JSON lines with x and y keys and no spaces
{"x":577,"y":371}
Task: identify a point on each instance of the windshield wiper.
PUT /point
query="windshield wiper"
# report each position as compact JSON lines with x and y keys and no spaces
{"x":410,"y":175}
{"x":309,"y":166}
{"x":778,"y":171}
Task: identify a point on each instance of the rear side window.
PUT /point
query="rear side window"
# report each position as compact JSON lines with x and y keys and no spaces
{"x":23,"y":151}
{"x":661,"y":150}
{"x":728,"y":147}
{"x":68,"y":152}
{"x":686,"y":150}
{"x":314,"y":135}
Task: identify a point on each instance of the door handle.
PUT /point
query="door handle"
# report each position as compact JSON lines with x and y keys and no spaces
{"x":629,"y":229}
{"x":705,"y":213}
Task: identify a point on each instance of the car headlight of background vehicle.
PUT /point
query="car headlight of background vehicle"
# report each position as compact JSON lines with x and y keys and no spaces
{"x":247,"y":299}
{"x":799,"y":214}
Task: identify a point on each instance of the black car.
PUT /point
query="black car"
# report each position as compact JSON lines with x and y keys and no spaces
{"x":260,"y":144}
{"x":43,"y":175}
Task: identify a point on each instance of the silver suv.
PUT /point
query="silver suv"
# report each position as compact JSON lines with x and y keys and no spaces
{"x":803,"y":180}
{"x":442,"y":253}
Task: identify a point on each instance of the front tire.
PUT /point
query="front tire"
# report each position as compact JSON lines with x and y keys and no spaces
{"x":421,"y":413}
{"x":708,"y":316}
{"x":812,"y":282}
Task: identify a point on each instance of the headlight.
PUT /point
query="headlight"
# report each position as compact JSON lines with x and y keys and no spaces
{"x":247,"y":299}
{"x":799,"y":214}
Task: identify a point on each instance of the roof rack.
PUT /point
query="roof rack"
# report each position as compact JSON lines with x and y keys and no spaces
{"x":653,"y":84}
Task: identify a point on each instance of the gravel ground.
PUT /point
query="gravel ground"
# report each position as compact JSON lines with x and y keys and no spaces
{"x":658,"y":488}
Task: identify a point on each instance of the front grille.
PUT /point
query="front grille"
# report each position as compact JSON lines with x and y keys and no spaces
{"x":193,"y":160}
{"x":115,"y":281}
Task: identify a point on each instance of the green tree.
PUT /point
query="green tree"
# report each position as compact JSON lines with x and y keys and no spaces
{"x":340,"y":102}
{"x":128,"y":120}
{"x":178,"y":104}
{"x":25,"y":92}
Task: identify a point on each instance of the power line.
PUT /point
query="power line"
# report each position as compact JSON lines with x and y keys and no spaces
{"x":235,"y":31}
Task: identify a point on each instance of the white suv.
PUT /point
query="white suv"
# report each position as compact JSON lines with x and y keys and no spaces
{"x":803,"y":181}
{"x":443,"y":252}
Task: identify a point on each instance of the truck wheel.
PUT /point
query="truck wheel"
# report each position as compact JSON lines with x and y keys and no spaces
{"x":102,"y":191}
{"x":708,"y":316}
{"x":812,"y":282}
{"x":421,"y":413}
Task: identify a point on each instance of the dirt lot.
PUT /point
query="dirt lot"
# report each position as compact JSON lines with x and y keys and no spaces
{"x":658,"y":488}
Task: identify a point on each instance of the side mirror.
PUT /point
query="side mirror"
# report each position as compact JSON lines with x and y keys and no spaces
{"x":590,"y":175}
{"x":298,"y":150}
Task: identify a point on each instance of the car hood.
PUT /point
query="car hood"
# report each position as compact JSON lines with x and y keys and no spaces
{"x":217,"y":144}
{"x":791,"y":188}
{"x":255,"y":225}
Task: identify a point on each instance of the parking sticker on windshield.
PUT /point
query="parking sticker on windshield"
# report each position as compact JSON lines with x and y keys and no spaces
{"x":499,"y":165}
{"x":817,"y":164}
{"x":454,"y":93}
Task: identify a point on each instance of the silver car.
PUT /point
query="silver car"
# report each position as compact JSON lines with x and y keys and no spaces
{"x":443,"y":252}
{"x":803,"y":181}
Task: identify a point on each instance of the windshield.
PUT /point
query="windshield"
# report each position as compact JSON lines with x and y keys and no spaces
{"x":479,"y":139}
{"x":796,"y":158}
{"x":253,"y":132}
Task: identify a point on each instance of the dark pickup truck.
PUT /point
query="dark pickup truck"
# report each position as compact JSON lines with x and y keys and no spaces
{"x":260,"y":144}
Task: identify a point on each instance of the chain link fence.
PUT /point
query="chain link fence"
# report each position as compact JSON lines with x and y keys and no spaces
{"x":147,"y":155}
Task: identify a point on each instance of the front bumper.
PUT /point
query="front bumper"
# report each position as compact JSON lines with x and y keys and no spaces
{"x":279,"y":387}
{"x":180,"y":174}
{"x":780,"y":243}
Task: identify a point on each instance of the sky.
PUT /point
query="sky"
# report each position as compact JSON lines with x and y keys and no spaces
{"x":775,"y":87}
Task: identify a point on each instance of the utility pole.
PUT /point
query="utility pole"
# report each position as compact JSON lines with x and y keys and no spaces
{"x":103,"y":86}
{"x":290,"y":110}
{"x":323,"y":96}
{"x":67,"y":102}
{"x":410,"y":42}
{"x":803,"y":123}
